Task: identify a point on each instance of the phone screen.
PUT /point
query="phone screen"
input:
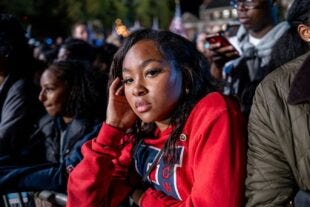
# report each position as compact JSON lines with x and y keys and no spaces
{"x":223,"y":42}
{"x":218,"y":38}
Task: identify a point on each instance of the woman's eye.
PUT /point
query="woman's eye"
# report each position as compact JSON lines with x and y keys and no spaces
{"x":127,"y":81}
{"x":153,"y":72}
{"x":49,"y":89}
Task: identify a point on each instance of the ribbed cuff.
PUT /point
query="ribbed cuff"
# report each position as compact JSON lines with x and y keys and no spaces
{"x":110,"y":136}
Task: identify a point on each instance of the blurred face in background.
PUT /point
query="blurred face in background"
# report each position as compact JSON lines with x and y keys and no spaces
{"x":63,"y":54}
{"x":254,"y":15}
{"x":80,"y":32}
{"x":53,"y":93}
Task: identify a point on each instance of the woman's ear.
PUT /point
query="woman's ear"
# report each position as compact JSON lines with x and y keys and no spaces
{"x":304,"y":32}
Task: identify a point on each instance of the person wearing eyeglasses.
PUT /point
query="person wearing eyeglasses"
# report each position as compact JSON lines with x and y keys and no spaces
{"x":257,"y":34}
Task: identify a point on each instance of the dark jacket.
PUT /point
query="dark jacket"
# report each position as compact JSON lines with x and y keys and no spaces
{"x":279,"y":136}
{"x":46,"y":167}
{"x":20,"y":109}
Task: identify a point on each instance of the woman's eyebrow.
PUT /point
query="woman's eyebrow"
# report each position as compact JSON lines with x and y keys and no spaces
{"x":145,"y":63}
{"x":148,"y":61}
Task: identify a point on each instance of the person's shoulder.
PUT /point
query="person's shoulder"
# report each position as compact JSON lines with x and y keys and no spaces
{"x":16,"y":84}
{"x":89,"y":123}
{"x":44,"y":124}
{"x":214,"y":103}
{"x":209,"y":109}
{"x":276,"y":85}
{"x":213,"y":99}
{"x":285,"y":73}
{"x":46,"y":119}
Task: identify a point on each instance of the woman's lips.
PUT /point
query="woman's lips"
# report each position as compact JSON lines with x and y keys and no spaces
{"x":48,"y":107}
{"x":142,"y":106}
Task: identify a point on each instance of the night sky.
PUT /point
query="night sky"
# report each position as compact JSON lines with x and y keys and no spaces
{"x":191,"y":6}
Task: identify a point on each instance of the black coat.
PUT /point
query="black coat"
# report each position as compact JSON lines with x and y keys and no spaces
{"x":19,"y":110}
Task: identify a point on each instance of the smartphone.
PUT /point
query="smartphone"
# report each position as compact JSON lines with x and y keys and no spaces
{"x":219,"y":38}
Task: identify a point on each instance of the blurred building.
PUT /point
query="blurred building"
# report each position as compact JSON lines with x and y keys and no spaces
{"x":216,"y":15}
{"x":219,"y":15}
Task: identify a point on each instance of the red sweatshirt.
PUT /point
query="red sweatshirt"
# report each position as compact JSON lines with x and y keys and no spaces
{"x":210,"y":171}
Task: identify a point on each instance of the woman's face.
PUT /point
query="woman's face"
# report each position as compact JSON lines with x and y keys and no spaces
{"x":62,"y":54}
{"x":53,"y":93}
{"x":152,"y":85}
{"x":80,"y":32}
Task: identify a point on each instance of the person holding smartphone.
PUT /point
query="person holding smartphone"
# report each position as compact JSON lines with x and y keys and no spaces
{"x":169,"y":139}
{"x":257,"y":34}
{"x":223,"y":42}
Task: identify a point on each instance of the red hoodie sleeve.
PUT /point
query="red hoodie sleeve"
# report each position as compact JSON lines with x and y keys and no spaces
{"x":105,"y":164}
{"x":218,"y":162}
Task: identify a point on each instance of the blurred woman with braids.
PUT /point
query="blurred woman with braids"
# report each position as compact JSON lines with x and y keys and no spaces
{"x":68,"y":95}
{"x":169,"y":138}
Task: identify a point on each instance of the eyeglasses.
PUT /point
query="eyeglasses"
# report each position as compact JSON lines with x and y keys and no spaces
{"x":246,"y":4}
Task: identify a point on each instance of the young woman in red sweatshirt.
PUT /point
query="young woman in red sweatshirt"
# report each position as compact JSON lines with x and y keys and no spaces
{"x":169,"y":138}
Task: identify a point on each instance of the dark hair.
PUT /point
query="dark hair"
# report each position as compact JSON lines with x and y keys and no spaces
{"x":104,"y":54}
{"x":79,"y":50}
{"x":197,"y":80}
{"x":290,"y":45}
{"x":14,"y":46}
{"x":83,"y":94}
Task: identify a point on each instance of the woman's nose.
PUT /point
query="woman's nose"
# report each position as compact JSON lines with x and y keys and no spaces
{"x":42,"y":96}
{"x":139,"y":89}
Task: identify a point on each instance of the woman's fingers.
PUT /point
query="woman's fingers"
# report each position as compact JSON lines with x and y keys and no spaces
{"x":120,"y":91}
{"x":114,"y":86}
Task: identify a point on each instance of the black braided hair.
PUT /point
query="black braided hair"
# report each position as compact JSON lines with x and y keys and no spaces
{"x":81,"y":101}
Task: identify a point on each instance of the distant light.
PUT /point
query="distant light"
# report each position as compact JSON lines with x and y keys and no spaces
{"x":48,"y":41}
{"x":216,"y":14}
{"x":121,"y":29}
{"x":234,"y":13}
{"x":226,"y":13}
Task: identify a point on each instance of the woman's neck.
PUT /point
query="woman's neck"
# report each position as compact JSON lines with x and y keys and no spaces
{"x":163,"y":125}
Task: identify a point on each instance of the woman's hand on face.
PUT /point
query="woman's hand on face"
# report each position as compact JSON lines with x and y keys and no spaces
{"x":119,"y":112}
